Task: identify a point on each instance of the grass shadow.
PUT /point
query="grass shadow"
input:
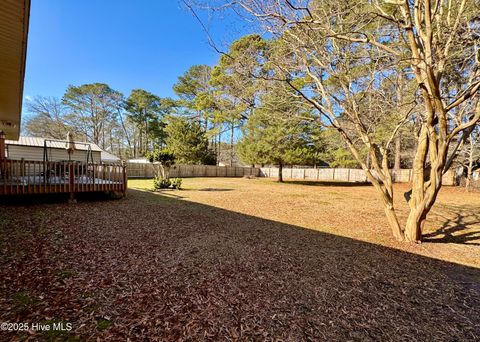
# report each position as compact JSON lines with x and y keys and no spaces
{"x":327,"y":183}
{"x":215,"y":189}
{"x":52,"y":198}
{"x":457,"y":230}
{"x":190,"y":270}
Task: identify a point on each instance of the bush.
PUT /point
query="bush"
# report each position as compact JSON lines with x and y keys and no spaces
{"x":161,"y":183}
{"x":177,"y":183}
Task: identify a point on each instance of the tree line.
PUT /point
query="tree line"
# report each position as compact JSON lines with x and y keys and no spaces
{"x":372,"y":84}
{"x":200,"y":126}
{"x":375,"y":73}
{"x":129,"y":127}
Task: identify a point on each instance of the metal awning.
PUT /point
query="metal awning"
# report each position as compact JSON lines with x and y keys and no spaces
{"x":14,"y":18}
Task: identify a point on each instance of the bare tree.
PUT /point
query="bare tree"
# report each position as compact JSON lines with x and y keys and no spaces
{"x":348,"y":52}
{"x":92,"y":107}
{"x":47,"y":118}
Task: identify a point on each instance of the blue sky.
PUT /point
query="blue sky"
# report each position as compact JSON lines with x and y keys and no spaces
{"x":127,"y":44}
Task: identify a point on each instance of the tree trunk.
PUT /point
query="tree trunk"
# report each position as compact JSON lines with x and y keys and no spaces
{"x":119,"y":149}
{"x":280,"y":172}
{"x":219,"y":146}
{"x":470,"y":165}
{"x":111,"y":140}
{"x":415,"y":223}
{"x":393,"y":222}
{"x":419,"y":210}
{"x":426,"y":184}
{"x":398,"y":151}
{"x":166,"y":172}
{"x":146,"y":136}
{"x":231,"y":145}
{"x":385,"y":189}
{"x":416,"y":200}
{"x":397,"y":158}
{"x":215,"y":148}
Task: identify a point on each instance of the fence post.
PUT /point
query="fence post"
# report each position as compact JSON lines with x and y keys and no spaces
{"x":125,"y":179}
{"x":3,"y":160}
{"x":348,"y":175}
{"x":71,"y":189}
{"x":22,"y":173}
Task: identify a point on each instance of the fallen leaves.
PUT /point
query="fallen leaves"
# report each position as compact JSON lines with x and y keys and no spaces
{"x":146,"y":268}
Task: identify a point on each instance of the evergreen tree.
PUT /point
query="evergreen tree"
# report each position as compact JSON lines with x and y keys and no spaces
{"x":277,"y":132}
{"x":187,"y":141}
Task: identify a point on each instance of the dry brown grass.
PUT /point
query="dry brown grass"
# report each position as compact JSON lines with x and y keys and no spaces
{"x":351,"y":210}
{"x":230,"y":259}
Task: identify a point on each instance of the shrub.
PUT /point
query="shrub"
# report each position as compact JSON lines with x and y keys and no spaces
{"x":161,"y":183}
{"x":177,"y":183}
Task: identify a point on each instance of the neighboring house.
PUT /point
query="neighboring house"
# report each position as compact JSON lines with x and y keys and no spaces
{"x":138,"y":161}
{"x":107,"y":157}
{"x":228,"y":157}
{"x":32,"y":148}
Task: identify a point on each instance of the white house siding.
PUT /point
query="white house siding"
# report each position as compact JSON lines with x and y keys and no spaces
{"x":17,"y":152}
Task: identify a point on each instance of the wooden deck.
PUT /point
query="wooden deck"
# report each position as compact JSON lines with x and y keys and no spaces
{"x":36,"y":177}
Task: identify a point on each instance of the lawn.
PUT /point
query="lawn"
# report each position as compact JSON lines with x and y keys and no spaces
{"x":240,"y":259}
{"x":350,"y":210}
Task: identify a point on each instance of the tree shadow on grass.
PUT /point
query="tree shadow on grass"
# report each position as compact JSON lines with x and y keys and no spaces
{"x":327,"y":183}
{"x":52,"y":198}
{"x":168,"y":269}
{"x":457,"y":230}
{"x":215,"y":189}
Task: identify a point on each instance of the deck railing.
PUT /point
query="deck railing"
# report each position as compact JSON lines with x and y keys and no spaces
{"x":37,"y":177}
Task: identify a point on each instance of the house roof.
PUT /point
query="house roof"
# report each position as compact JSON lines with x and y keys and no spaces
{"x":106,"y":156}
{"x":14,"y":19}
{"x":40,"y":142}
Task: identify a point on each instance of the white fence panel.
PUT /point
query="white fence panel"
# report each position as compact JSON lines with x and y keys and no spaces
{"x":343,"y":174}
{"x":145,"y":170}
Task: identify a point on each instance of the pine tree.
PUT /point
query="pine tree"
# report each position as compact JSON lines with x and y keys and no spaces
{"x":187,"y":141}
{"x":277,"y":132}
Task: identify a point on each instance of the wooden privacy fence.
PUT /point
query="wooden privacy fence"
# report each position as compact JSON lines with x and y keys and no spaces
{"x":343,"y":175}
{"x":145,"y":170}
{"x":37,"y":177}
